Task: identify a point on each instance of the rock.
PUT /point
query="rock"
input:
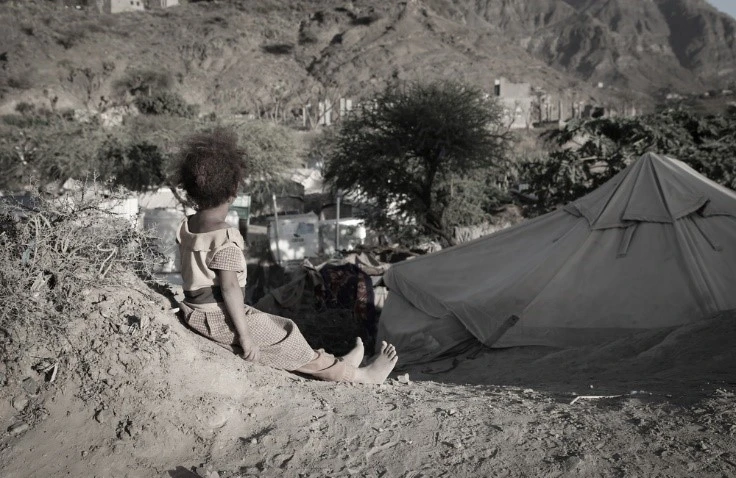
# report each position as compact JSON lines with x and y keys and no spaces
{"x":102,"y":415}
{"x":217,"y":421}
{"x":31,"y":387}
{"x":254,"y":441}
{"x":3,"y":378}
{"x":18,"y":428}
{"x":451,"y":411}
{"x":403,"y":378}
{"x":20,"y":402}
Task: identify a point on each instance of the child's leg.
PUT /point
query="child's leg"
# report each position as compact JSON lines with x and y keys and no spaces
{"x":325,"y":366}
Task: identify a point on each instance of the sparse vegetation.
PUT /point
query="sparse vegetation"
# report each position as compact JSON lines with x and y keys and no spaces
{"x":142,"y":81}
{"x":166,"y":103}
{"x":52,"y":250}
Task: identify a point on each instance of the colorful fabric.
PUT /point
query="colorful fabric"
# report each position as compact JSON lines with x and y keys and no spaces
{"x":348,"y":287}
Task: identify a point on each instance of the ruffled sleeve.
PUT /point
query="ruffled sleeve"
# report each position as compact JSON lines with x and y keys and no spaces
{"x":228,"y":258}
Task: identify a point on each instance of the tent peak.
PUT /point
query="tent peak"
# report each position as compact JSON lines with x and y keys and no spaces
{"x":653,"y":188}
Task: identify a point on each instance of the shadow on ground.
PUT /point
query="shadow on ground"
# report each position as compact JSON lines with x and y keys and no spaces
{"x":690,"y":361}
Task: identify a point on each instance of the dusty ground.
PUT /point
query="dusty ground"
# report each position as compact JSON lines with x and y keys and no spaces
{"x":142,"y":396}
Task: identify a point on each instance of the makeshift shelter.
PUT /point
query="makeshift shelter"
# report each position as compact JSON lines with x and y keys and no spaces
{"x":654,"y":247}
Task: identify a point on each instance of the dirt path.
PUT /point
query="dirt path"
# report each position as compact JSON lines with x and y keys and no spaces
{"x":159,"y":401}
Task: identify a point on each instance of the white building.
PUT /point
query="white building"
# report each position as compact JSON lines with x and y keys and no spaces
{"x":120,"y":6}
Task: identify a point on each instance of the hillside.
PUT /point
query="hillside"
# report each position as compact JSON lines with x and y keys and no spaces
{"x":236,"y":56}
{"x":157,"y":400}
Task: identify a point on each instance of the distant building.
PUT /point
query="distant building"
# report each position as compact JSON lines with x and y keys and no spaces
{"x":119,"y":6}
{"x":161,"y":3}
{"x":516,"y":99}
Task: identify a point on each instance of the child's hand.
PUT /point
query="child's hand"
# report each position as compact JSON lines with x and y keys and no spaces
{"x":251,"y":352}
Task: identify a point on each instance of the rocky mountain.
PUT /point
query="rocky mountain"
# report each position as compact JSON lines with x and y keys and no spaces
{"x":242,"y":56}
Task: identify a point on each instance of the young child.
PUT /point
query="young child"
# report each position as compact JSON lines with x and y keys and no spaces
{"x":214,"y":272}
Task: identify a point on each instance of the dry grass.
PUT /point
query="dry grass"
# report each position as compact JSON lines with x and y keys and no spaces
{"x":52,"y":252}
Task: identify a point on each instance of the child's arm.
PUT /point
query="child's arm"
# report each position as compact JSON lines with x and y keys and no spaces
{"x":234,"y":303}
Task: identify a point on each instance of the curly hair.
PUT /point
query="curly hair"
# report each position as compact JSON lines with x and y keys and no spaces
{"x":211,"y":167}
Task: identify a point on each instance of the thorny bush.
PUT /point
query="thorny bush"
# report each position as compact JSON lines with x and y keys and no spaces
{"x":52,"y":252}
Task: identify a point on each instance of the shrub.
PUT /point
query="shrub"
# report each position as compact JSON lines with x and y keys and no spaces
{"x":138,"y":166}
{"x":142,"y":81}
{"x":25,"y":108}
{"x":706,"y":142}
{"x":51,"y":252}
{"x":279,"y":48}
{"x":22,"y":80}
{"x":166,"y":103}
{"x":71,"y":37}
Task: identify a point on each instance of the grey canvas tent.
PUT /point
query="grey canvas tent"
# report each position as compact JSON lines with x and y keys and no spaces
{"x":654,"y":247}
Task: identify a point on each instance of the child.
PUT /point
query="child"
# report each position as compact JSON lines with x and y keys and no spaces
{"x":214,"y":272}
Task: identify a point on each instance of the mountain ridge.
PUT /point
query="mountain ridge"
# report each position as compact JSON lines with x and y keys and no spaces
{"x":236,"y":56}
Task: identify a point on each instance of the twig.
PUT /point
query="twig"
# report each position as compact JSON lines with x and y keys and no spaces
{"x":376,"y":449}
{"x":53,"y":373}
{"x":592,"y":397}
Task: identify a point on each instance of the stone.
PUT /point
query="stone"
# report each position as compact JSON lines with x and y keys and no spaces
{"x":18,"y":428}
{"x":102,"y":415}
{"x":20,"y":402}
{"x":30,"y":386}
{"x":403,"y":378}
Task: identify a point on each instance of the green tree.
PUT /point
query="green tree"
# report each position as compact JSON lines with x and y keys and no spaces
{"x":48,"y":149}
{"x":407,"y":148}
{"x":270,"y":153}
{"x":590,"y":152}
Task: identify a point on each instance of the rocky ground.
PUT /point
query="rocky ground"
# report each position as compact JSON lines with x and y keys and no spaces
{"x":140,"y":395}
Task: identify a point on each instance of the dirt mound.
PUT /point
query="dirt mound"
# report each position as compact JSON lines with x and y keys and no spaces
{"x":140,"y":395}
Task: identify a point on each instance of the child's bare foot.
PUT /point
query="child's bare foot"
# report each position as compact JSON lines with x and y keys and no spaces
{"x":381,"y":365}
{"x":355,"y":356}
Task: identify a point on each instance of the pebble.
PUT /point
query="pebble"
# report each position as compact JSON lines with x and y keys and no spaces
{"x":20,"y":402}
{"x":451,"y":412}
{"x":254,"y":441}
{"x":2,"y":379}
{"x":18,"y":428}
{"x":101,"y":416}
{"x":30,"y":386}
{"x":403,"y":378}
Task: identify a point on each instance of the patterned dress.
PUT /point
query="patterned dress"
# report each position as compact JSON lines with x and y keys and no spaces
{"x":280,"y":342}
